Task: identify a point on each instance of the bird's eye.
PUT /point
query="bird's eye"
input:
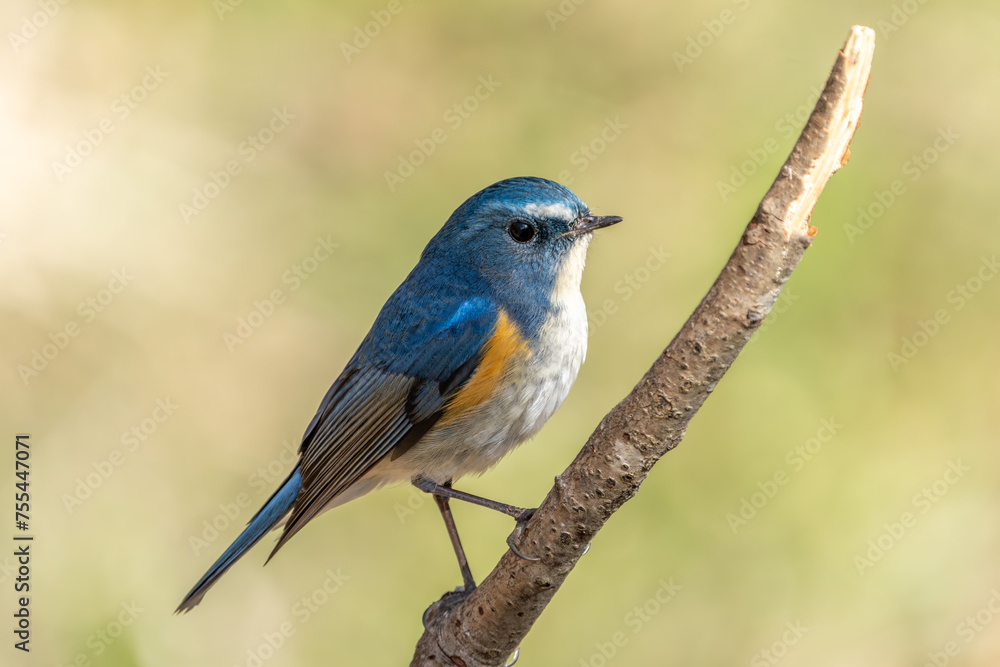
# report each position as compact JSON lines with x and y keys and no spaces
{"x":521,"y":231}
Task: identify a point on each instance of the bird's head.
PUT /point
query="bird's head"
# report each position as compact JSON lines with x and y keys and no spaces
{"x":521,"y":234}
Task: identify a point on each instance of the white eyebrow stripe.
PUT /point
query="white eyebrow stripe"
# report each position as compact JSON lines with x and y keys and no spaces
{"x":557,"y":210}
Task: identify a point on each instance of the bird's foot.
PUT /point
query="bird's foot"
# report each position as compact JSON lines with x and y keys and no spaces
{"x":522,"y":520}
{"x":446,"y":604}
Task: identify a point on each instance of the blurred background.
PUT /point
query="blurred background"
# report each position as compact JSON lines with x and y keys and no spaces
{"x":204,"y":205}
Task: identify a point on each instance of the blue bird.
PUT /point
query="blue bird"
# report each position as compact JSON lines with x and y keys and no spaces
{"x":468,"y":358}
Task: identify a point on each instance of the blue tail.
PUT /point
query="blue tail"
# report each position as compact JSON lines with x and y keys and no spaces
{"x":267,"y":517}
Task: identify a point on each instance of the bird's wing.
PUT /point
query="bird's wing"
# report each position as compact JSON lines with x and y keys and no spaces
{"x":383,"y":406}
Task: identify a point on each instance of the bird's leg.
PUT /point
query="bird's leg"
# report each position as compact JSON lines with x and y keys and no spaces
{"x":519,"y":514}
{"x":449,"y":521}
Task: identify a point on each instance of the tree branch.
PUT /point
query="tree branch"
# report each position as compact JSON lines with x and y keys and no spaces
{"x":484,"y":628}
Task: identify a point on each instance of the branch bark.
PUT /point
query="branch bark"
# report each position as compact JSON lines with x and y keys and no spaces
{"x":484,"y":628}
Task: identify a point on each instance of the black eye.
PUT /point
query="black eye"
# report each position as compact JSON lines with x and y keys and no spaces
{"x":521,"y":231}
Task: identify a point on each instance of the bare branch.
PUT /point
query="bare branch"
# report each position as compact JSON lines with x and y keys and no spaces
{"x":486,"y":627}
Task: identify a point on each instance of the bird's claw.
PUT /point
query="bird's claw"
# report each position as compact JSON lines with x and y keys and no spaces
{"x":423,"y":618}
{"x":522,"y":520}
{"x":449,"y":600}
{"x":523,"y":516}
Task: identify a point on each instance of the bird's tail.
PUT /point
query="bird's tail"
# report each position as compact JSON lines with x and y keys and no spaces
{"x":269,"y":516}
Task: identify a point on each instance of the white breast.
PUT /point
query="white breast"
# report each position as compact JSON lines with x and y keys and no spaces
{"x":520,"y":406}
{"x":562,"y":343}
{"x":523,"y":405}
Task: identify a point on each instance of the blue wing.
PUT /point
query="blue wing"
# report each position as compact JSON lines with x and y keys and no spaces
{"x":418,"y":354}
{"x":392,"y":392}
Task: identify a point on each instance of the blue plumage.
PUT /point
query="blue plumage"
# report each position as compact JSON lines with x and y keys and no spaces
{"x":267,"y":518}
{"x":468,"y":358}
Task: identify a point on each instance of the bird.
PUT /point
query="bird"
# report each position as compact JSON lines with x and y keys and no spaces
{"x":468,"y":358}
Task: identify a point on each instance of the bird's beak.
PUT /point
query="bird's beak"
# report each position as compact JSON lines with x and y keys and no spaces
{"x":589,"y":223}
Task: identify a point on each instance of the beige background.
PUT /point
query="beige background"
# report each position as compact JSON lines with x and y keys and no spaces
{"x":100,"y":244}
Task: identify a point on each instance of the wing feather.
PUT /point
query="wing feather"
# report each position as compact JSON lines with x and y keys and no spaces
{"x":378,"y":409}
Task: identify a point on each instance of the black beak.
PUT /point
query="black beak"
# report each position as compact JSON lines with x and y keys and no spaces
{"x":589,"y":223}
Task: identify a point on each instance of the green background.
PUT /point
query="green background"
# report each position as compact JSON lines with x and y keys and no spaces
{"x":859,"y":295}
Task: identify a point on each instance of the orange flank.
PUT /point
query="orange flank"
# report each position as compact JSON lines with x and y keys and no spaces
{"x":504,"y":348}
